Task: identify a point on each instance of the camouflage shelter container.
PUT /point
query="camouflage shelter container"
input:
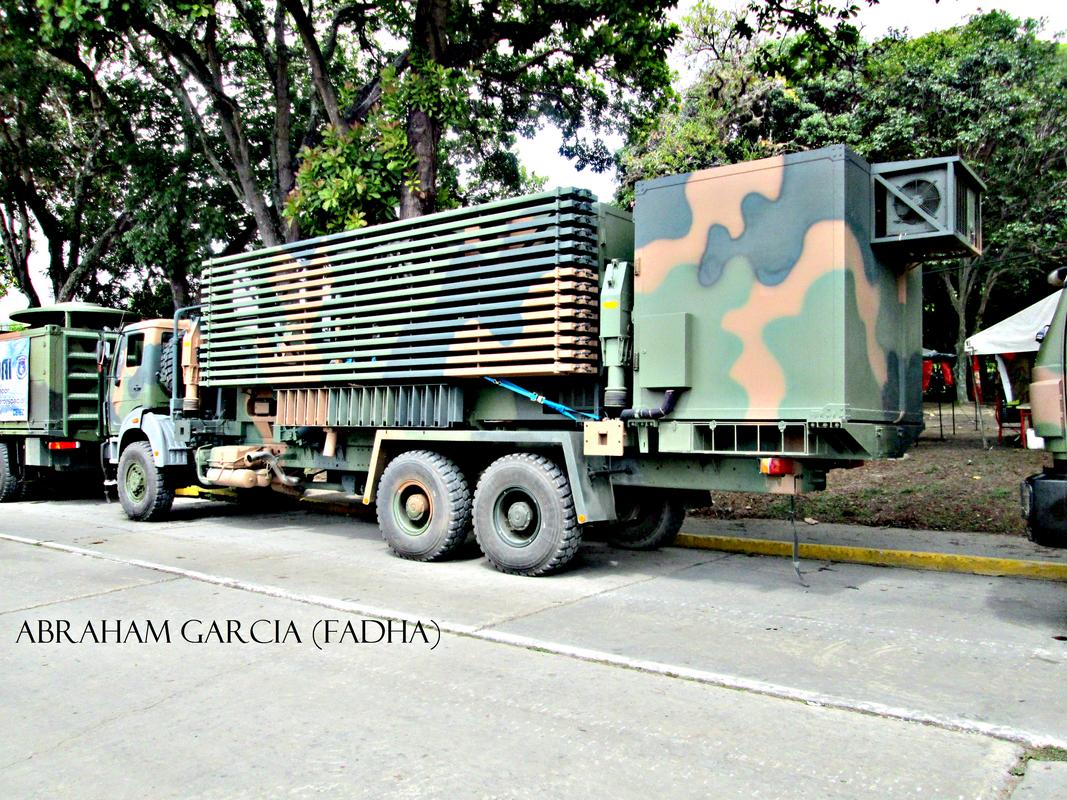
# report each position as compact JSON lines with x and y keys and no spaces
{"x":758,"y":291}
{"x":60,"y":375}
{"x":50,"y":391}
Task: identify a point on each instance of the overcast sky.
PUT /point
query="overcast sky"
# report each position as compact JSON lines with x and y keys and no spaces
{"x":915,"y":16}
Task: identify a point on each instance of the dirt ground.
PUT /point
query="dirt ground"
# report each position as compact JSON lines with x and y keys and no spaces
{"x":952,"y":484}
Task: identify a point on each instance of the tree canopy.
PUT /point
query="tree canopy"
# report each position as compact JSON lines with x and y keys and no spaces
{"x":990,"y":90}
{"x":260,"y":120}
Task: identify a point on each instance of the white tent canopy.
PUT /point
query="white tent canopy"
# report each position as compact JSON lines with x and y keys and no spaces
{"x":1017,"y":333}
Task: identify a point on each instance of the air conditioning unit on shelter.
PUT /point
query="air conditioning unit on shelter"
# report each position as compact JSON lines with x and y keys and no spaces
{"x":926,"y":207}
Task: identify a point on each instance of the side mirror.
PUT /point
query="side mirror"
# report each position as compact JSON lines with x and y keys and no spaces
{"x":1041,"y":334}
{"x":1058,"y":276}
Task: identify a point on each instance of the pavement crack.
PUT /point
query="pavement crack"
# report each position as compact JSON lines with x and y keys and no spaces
{"x":89,"y":595}
{"x":129,"y":712}
{"x":608,"y":590}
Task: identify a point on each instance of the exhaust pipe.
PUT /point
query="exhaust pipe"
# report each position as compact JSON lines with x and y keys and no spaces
{"x":271,"y":460}
{"x":670,"y":399}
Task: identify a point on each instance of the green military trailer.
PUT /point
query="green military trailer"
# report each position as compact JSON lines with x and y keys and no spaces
{"x":50,"y":393}
{"x":1044,"y":495}
{"x":526,"y":369}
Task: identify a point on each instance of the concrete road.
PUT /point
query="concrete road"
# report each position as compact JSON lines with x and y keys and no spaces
{"x":673,"y":674}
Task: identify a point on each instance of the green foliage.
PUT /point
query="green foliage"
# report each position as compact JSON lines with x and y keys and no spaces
{"x":126,"y":203}
{"x":477,"y":74}
{"x":500,"y":176}
{"x":427,"y":86}
{"x":591,"y":67}
{"x":354,"y":176}
{"x":718,"y":119}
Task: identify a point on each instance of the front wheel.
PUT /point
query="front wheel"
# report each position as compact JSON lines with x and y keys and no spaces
{"x":145,"y":490}
{"x":524,"y":516}
{"x":1044,"y":499}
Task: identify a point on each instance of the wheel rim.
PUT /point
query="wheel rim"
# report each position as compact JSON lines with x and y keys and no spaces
{"x":136,"y":483}
{"x":413,"y":508}
{"x":516,"y":517}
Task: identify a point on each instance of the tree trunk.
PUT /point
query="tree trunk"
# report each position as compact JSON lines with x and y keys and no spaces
{"x":18,"y":244}
{"x":429,"y":40}
{"x":423,"y":137}
{"x":958,"y":295}
{"x":962,"y":367}
{"x":179,"y":287}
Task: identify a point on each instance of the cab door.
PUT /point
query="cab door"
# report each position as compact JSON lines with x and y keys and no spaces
{"x":127,"y":380}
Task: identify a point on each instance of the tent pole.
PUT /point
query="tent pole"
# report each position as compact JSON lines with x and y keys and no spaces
{"x":978,"y":400}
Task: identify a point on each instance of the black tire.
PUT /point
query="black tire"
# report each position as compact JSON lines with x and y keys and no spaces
{"x":1047,"y":537}
{"x":166,"y":364}
{"x":1045,"y":495}
{"x":424,"y":506}
{"x":12,"y":485}
{"x":647,"y":521}
{"x":524,"y":516}
{"x":145,"y":490}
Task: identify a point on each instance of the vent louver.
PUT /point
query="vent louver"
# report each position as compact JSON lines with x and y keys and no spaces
{"x":508,"y":288}
{"x":926,"y":207}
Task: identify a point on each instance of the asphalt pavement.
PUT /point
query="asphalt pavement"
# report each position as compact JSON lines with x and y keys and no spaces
{"x":681,"y":673}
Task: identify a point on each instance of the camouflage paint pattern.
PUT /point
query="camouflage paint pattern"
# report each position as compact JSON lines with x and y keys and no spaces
{"x":504,"y":289}
{"x":756,"y":291}
{"x":793,"y":316}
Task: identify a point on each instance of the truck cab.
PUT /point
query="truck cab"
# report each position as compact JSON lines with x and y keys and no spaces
{"x":136,"y":379}
{"x":143,"y":455}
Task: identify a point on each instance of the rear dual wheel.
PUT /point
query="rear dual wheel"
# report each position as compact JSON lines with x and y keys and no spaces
{"x":647,"y":520}
{"x":524,"y":517}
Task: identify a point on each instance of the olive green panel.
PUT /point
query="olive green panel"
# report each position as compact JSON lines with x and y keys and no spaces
{"x":664,"y":344}
{"x":615,"y":235}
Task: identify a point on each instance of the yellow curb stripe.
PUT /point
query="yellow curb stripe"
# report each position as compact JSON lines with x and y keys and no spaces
{"x":940,"y":562}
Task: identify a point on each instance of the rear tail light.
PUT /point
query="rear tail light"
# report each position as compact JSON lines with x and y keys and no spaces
{"x":777,"y":467}
{"x":64,"y":445}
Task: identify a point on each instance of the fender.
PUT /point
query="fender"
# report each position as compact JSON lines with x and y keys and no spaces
{"x":167,"y":450}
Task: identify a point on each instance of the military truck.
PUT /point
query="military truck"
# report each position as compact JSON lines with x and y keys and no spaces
{"x":530,"y":368}
{"x":1044,"y":495}
{"x":50,"y":393}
